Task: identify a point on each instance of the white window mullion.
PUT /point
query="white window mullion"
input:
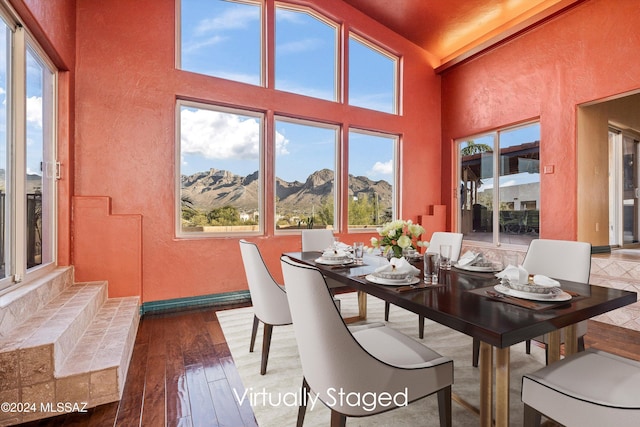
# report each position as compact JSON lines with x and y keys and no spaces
{"x":19,"y":201}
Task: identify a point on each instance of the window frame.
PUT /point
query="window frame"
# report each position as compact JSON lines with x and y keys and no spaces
{"x":496,"y":240}
{"x":337,"y":178}
{"x":268,"y":223}
{"x":337,"y":78}
{"x":397,"y":72}
{"x":262,"y":117}
{"x":395,"y":206}
{"x":19,"y":44}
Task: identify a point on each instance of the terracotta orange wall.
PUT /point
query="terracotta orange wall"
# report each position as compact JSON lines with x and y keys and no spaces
{"x":126,"y":90}
{"x":588,"y":53}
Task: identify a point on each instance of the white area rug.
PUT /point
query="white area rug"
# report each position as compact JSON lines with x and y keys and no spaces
{"x":274,"y":396}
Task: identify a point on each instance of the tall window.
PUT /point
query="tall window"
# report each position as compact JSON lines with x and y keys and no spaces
{"x":224,"y":158}
{"x":306,"y":54}
{"x":27,"y":156}
{"x":221,"y":38}
{"x":372,"y":172}
{"x":305,"y":174}
{"x":372,"y":76}
{"x":500,"y":185}
{"x":220,"y":182}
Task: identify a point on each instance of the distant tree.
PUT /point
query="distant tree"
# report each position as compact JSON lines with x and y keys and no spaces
{"x":226,"y":215}
{"x":473,"y":148}
{"x":325,"y":213}
{"x":361,"y":211}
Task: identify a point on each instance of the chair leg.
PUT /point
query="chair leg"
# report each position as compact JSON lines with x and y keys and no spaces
{"x":531,"y":417}
{"x":528,"y":346}
{"x":444,"y":406}
{"x":476,"y":353}
{"x":302,"y":409}
{"x":266,"y":344}
{"x":421,"y":326}
{"x":386,"y":311}
{"x":581,"y":343}
{"x":338,"y":419}
{"x":254,"y":331}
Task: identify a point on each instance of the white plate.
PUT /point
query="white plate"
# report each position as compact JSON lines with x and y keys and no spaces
{"x":486,"y":269}
{"x":380,"y":281}
{"x":334,"y":261}
{"x":561,"y":296}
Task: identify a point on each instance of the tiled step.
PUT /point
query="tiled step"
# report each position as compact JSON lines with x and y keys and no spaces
{"x":96,"y":369}
{"x":46,"y":338}
{"x":63,"y":343}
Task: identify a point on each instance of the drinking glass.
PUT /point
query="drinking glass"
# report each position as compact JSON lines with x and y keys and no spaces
{"x":431,"y":268}
{"x":445,"y":257}
{"x":358,"y":252}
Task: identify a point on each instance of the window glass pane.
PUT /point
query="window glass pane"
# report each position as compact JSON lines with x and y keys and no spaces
{"x":305,"y":54}
{"x":305,"y":175}
{"x":39,"y":167}
{"x":4,"y":147}
{"x":371,"y":179}
{"x":222,"y":39}
{"x":476,"y":188}
{"x":519,"y":184}
{"x":372,"y":77}
{"x":220,"y":180}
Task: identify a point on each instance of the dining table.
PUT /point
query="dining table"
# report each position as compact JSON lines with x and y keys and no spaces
{"x":467,"y":301}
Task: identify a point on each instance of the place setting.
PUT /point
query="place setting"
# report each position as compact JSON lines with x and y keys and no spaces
{"x":398,"y":272}
{"x":534,"y":291}
{"x":476,"y":262}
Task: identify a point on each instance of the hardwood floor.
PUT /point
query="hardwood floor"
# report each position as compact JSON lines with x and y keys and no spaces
{"x":182,"y":374}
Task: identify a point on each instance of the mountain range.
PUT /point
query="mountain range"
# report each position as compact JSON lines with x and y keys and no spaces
{"x":216,"y":188}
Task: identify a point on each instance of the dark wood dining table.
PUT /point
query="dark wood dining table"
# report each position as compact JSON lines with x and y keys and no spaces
{"x":461,"y":302}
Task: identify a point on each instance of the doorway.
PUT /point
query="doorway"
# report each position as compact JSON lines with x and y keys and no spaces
{"x":624,"y":188}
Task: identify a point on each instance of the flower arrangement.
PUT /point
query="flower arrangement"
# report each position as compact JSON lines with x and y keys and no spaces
{"x":398,"y":235}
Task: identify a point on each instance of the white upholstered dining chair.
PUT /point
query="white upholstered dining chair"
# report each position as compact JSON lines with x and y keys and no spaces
{"x":317,"y":239}
{"x":592,"y":388}
{"x":558,"y":259}
{"x":371,"y":360}
{"x":269,"y":299}
{"x":438,"y":238}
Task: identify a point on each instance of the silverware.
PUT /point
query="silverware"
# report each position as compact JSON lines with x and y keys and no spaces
{"x":518,"y":301}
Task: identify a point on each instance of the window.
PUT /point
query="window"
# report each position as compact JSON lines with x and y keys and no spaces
{"x":27,"y":156}
{"x":220,"y":184}
{"x":305,"y":174}
{"x":511,"y":214}
{"x":225,"y":160}
{"x":222,"y":38}
{"x":372,"y":167}
{"x":372,"y":77}
{"x":306,"y":54}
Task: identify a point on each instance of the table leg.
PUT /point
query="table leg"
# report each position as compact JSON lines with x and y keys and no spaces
{"x":553,"y":346}
{"x":486,"y":384}
{"x":362,"y":305}
{"x":503,"y":356}
{"x":570,"y":340}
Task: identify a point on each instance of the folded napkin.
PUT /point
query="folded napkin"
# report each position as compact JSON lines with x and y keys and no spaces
{"x":545,"y":281}
{"x":398,"y":265}
{"x":334,"y":253}
{"x":515,"y":274}
{"x":468,"y":258}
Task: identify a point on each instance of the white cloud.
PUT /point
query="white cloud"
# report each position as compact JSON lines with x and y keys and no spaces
{"x":34,"y":111}
{"x":381,"y":168}
{"x":192,"y":46}
{"x":305,"y":45}
{"x":224,"y":136}
{"x":230,"y":20}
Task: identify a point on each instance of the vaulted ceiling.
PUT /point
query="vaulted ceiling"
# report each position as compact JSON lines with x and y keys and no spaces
{"x":453,"y":30}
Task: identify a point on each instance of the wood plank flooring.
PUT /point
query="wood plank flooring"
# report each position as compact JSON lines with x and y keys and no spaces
{"x":182,"y":374}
